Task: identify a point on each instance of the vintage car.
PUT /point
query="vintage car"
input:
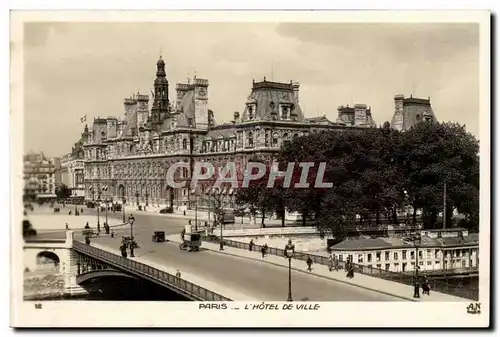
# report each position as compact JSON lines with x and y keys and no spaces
{"x":191,"y":242}
{"x":159,"y":236}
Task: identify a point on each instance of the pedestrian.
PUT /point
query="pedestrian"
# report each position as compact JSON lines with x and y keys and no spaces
{"x":178,"y":274}
{"x":309,"y":263}
{"x":250,"y":245}
{"x":123,"y":249}
{"x":112,"y":234}
{"x":69,"y":213}
{"x":426,"y":287}
{"x":263,"y":251}
{"x":87,"y":225}
{"x":67,"y":227}
{"x":330,"y":262}
{"x":350,"y":270}
{"x":266,"y":248}
{"x":81,"y":211}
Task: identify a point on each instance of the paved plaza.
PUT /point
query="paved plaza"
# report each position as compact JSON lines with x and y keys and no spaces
{"x":43,"y":219}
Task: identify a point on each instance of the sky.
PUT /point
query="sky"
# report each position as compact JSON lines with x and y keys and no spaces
{"x":76,"y":69}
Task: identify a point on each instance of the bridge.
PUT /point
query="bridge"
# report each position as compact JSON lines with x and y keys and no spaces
{"x":208,"y":275}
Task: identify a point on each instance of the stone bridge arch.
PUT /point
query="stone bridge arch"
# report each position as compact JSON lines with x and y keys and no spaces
{"x":47,"y":260}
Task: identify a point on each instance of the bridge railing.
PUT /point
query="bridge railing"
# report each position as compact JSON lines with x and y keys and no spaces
{"x":436,"y":285}
{"x":156,"y":275}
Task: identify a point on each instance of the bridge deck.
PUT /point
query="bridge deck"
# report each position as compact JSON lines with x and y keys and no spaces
{"x":240,"y":279}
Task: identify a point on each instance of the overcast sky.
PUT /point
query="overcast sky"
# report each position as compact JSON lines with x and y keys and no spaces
{"x":77,"y":69}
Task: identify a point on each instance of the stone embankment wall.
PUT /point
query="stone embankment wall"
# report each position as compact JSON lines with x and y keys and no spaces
{"x":44,"y":284}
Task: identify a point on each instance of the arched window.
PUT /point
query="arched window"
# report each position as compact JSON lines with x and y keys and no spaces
{"x":184,"y":144}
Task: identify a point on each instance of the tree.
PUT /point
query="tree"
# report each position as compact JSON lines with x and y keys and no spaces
{"x":432,"y":154}
{"x":63,"y":192}
{"x":28,"y":229}
{"x":258,"y":196}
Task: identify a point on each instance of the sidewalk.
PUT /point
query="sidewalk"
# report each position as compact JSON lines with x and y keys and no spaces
{"x":199,"y":281}
{"x":370,"y":283}
{"x":203,"y":216}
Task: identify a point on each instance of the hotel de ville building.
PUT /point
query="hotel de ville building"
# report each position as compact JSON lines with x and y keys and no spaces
{"x":131,"y":154}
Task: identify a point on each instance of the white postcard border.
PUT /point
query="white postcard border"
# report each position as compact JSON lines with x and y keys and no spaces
{"x":171,"y":314}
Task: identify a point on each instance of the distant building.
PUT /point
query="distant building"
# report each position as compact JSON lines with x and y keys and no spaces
{"x":72,"y":167}
{"x":41,"y":175}
{"x":410,"y":111}
{"x":442,"y":249}
{"x":359,"y":115}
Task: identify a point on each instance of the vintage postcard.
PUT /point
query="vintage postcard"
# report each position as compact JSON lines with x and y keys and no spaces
{"x":250,"y":169}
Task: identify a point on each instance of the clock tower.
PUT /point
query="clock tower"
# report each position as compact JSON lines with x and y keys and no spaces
{"x":160,"y":110}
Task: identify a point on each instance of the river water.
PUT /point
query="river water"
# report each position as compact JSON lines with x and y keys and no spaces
{"x":124,"y":289}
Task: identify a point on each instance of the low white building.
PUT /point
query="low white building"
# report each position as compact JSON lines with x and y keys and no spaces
{"x":444,"y":249}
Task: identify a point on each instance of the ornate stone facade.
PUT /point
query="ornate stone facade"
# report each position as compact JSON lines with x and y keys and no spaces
{"x":131,"y":155}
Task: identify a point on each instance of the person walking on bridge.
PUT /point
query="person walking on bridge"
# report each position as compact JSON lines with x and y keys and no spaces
{"x":330,"y":262}
{"x":309,"y":263}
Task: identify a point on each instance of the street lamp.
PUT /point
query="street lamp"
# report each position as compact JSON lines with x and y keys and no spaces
{"x":123,"y":208}
{"x":131,"y":220}
{"x":195,"y":193}
{"x":98,"y":209}
{"x":105,"y":189}
{"x":417,"y":240}
{"x":74,"y":200}
{"x":289,"y":251}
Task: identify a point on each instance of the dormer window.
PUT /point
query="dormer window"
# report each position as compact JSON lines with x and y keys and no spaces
{"x":284,"y":112}
{"x":251,"y":112}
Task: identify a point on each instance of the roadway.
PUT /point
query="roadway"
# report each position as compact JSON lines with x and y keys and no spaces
{"x":253,"y":277}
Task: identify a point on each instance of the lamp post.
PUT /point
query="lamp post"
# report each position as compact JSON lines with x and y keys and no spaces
{"x":105,"y":189}
{"x":195,"y":193}
{"x":417,"y":239}
{"x":123,"y":208}
{"x":98,"y":209}
{"x":289,"y":251}
{"x":131,"y":220}
{"x":74,"y":200}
